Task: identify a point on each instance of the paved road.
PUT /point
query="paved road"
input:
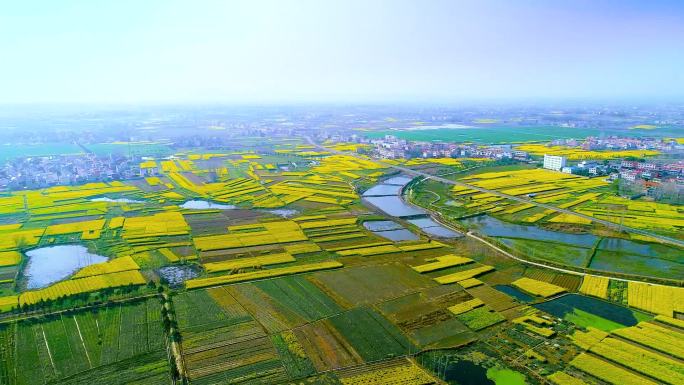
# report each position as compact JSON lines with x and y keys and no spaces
{"x":507,"y":196}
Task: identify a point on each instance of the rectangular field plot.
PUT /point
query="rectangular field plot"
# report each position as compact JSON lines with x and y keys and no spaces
{"x":423,"y":316}
{"x":492,"y":297}
{"x":372,"y":336}
{"x":301,"y":296}
{"x":272,"y":315}
{"x":399,"y":371}
{"x":222,"y":343}
{"x":236,"y":361}
{"x":326,"y":347}
{"x":117,"y":344}
{"x":371,"y":284}
{"x":292,"y":354}
{"x":207,"y":309}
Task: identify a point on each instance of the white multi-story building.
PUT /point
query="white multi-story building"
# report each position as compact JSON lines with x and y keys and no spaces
{"x":553,"y":162}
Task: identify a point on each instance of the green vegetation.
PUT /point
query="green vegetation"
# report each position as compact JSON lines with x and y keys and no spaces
{"x":296,"y":363}
{"x":301,"y":296}
{"x":480,"y":318}
{"x":122,"y":342}
{"x":503,"y":376}
{"x":493,"y":134}
{"x":9,"y":152}
{"x":372,"y":336}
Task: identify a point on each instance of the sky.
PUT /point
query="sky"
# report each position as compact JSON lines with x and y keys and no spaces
{"x":300,"y":51}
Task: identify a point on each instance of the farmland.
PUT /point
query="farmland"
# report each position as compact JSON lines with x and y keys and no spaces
{"x":114,"y":343}
{"x":488,"y":134}
{"x":546,"y":236}
{"x":240,"y":267}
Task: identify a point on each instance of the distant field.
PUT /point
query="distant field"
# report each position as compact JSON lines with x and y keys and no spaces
{"x":135,"y":149}
{"x":8,"y":152}
{"x":498,"y":134}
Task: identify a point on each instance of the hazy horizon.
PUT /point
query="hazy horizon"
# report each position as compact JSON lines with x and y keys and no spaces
{"x":376,"y":52}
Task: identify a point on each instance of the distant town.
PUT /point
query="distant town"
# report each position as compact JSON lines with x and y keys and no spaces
{"x":620,"y":131}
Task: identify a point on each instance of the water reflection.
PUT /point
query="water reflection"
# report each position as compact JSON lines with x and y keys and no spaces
{"x":47,"y":265}
{"x":205,"y":205}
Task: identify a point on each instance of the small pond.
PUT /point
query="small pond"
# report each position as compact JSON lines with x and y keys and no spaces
{"x":205,"y":205}
{"x":177,"y":275}
{"x":441,"y":232}
{"x":637,"y":264}
{"x":47,"y":265}
{"x":381,"y":225}
{"x":390,"y":230}
{"x":493,"y":227}
{"x":398,"y":235}
{"x":588,"y":311}
{"x":285,"y":213}
{"x":515,"y":293}
{"x":429,"y":226}
{"x":115,"y":200}
{"x":466,"y":373}
{"x":626,"y":246}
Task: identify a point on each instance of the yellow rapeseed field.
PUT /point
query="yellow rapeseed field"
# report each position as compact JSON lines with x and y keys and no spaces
{"x":161,"y":224}
{"x":112,"y":266}
{"x":260,"y":274}
{"x":9,"y":302}
{"x":656,"y":299}
{"x":540,"y":288}
{"x":463,"y":275}
{"x":442,"y":263}
{"x":573,"y":153}
{"x":562,"y":378}
{"x":240,"y":263}
{"x":76,"y":227}
{"x":465,"y":306}
{"x":9,"y":258}
{"x":406,"y":374}
{"x":83,"y":285}
{"x":252,"y":235}
{"x":595,"y":286}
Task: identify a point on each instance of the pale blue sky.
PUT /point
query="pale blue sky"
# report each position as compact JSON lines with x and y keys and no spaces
{"x":122,"y":51}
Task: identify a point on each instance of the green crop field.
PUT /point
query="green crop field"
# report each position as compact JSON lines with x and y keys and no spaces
{"x":499,"y":134}
{"x":9,"y":152}
{"x":89,"y":346}
{"x":372,"y":336}
{"x":301,"y":296}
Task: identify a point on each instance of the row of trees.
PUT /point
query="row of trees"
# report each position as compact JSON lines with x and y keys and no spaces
{"x":82,"y":299}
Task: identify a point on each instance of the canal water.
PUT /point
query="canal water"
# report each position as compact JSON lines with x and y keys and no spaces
{"x":386,"y":196}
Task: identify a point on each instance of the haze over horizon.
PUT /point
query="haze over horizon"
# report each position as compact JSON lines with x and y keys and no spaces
{"x":356,"y":51}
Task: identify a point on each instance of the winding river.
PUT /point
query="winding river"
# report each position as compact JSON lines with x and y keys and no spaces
{"x":387,"y":197}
